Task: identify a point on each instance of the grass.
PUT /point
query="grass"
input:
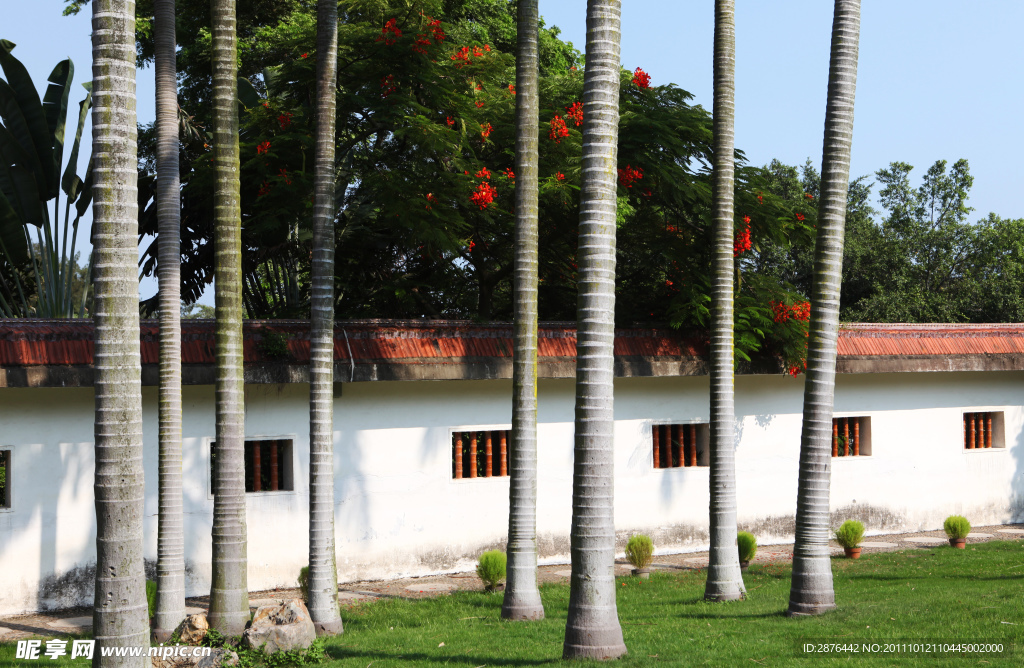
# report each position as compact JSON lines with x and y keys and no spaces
{"x":938,"y":593}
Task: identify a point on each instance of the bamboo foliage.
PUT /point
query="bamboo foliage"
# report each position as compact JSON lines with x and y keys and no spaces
{"x":812,"y":591}
{"x":522,"y":598}
{"x":592,"y":628}
{"x":323,"y":571}
{"x":725,"y":581}
{"x":120,"y":612}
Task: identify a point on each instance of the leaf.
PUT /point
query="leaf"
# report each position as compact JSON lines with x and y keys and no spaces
{"x":12,"y":234}
{"x":70,"y":174}
{"x":247,"y":94}
{"x":20,"y":85}
{"x":55,"y":109}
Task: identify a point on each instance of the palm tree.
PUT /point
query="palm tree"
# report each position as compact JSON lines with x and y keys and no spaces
{"x":592,"y":628}
{"x":323,"y":571}
{"x":725,"y":581}
{"x":120,"y":616}
{"x":522,"y":598}
{"x":229,"y":595}
{"x":811,"y":591}
{"x":170,"y":564}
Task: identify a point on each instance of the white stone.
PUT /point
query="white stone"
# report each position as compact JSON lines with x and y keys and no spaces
{"x":1016,"y":531}
{"x":877,"y":544}
{"x":926,"y":540}
{"x":979,"y":535}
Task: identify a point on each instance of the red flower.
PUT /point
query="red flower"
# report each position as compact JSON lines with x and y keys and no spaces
{"x":512,"y":89}
{"x":487,"y":47}
{"x":641,"y":79}
{"x":285,"y":120}
{"x":305,"y":55}
{"x":461,"y":57}
{"x":800,"y":217}
{"x":483,"y":195}
{"x":421,"y":44}
{"x":808,"y":195}
{"x":472,"y":244}
{"x":435,"y":27}
{"x":479,"y":104}
{"x":558,"y":129}
{"x":485,"y":130}
{"x":450,"y":121}
{"x":484,"y":173}
{"x":264,"y":189}
{"x":629,"y":175}
{"x":390,"y":32}
{"x":430,"y":199}
{"x":477,"y":52}
{"x":741,"y":243}
{"x":799,"y":311}
{"x":284,"y":174}
{"x":263,"y":148}
{"x":559,"y":176}
{"x":509,"y":173}
{"x":575,"y":113}
{"x":760,"y":199}
{"x":388,"y":86}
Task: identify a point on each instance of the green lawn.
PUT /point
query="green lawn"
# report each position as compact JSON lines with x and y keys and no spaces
{"x":938,"y":594}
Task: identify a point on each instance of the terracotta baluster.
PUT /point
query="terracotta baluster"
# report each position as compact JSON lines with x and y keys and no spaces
{"x":274,"y":486}
{"x":655,"y":433}
{"x":458,"y":456}
{"x":503,"y":444}
{"x":966,"y":442}
{"x":856,"y":437}
{"x":970,"y":431}
{"x":988,"y":430}
{"x":846,"y":437}
{"x":472,"y":454}
{"x":693,"y":445}
{"x":835,"y":438}
{"x":677,"y":445}
{"x":489,"y":452}
{"x":257,"y":474}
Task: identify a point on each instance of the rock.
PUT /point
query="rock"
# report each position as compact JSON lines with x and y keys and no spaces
{"x":282,"y":627}
{"x":193,"y":629}
{"x":218,"y":657}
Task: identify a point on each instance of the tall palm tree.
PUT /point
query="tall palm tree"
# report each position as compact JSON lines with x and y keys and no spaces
{"x":522,"y":598}
{"x":323,"y":571}
{"x":592,"y":628}
{"x":170,"y":564}
{"x":725,"y":581}
{"x":120,"y":616}
{"x":229,"y":595}
{"x":811,"y":591}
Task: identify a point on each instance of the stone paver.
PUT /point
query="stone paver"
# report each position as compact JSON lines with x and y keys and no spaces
{"x":432,"y":587}
{"x":926,"y":540}
{"x":979,"y":535}
{"x":877,"y":544}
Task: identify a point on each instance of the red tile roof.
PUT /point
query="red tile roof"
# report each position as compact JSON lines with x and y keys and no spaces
{"x":32,"y":343}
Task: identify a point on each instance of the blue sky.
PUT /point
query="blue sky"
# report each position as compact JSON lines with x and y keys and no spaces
{"x":938,"y":79}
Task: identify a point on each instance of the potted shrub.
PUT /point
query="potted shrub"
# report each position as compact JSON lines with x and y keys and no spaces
{"x":639,"y":552}
{"x":849,"y":536}
{"x":957,"y":527}
{"x":491,"y":568}
{"x":747,"y":544}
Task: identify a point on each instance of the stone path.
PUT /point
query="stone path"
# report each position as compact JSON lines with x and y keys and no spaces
{"x":79,"y":620}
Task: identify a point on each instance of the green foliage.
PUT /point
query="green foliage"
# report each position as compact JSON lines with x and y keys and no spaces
{"x":956,"y":526}
{"x":491,"y":568}
{"x":639,"y":550}
{"x":747,"y":544}
{"x":274,"y":345}
{"x":151,"y":596}
{"x":850,"y":533}
{"x":304,"y":583}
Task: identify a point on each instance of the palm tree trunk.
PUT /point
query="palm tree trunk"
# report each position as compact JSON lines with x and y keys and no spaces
{"x":170,"y":565}
{"x":592,"y":628}
{"x":812,"y":591}
{"x":323,"y":571}
{"x":522,"y":598}
{"x":120,"y":613}
{"x":725,"y":581}
{"x":229,"y":595}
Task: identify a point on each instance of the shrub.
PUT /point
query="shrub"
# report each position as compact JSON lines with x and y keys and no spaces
{"x":850,"y":534}
{"x":956,"y":526}
{"x":639,"y":550}
{"x":491,"y":568}
{"x":304,"y":583}
{"x":747,"y":544}
{"x":151,"y":597}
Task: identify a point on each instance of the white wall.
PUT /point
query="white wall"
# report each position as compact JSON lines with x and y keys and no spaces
{"x":399,"y":512}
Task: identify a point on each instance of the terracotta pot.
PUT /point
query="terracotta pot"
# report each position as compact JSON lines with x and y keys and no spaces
{"x":642,"y":573}
{"x":852,"y":552}
{"x":744,"y":565}
{"x":958,"y":543}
